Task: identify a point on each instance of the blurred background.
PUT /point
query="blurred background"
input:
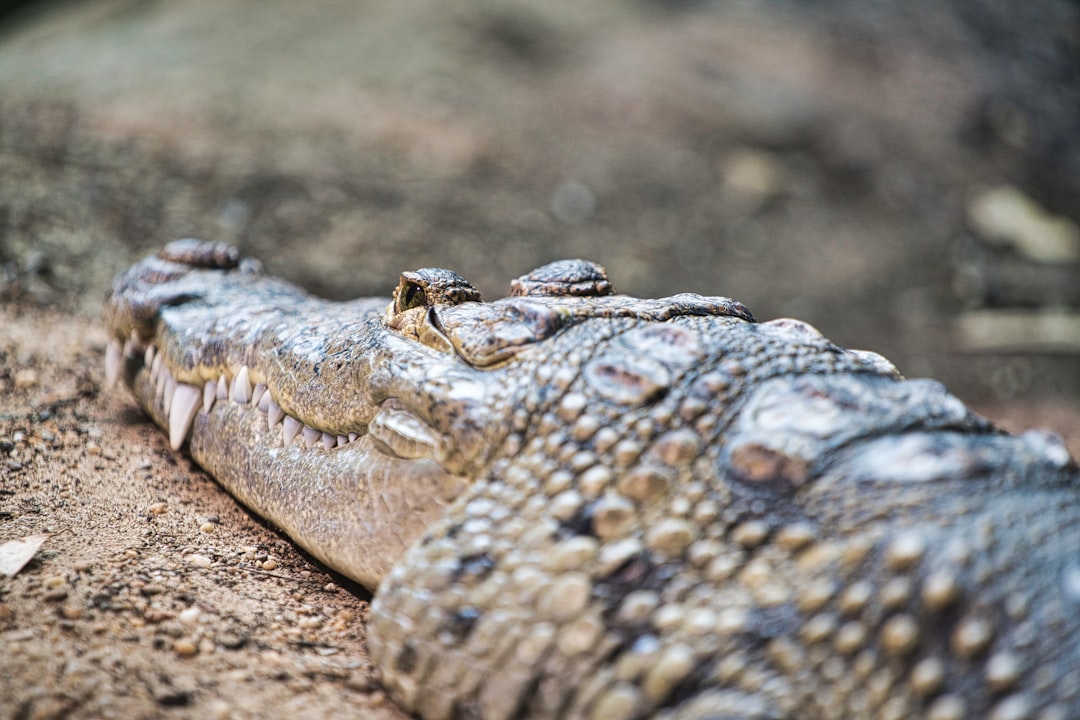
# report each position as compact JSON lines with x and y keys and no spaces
{"x":905,"y":176}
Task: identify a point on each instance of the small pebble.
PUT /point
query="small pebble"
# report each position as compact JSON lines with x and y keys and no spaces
{"x":71,"y":612}
{"x":207,"y":527}
{"x":158,"y":508}
{"x":190,"y":615}
{"x":220,"y":709}
{"x":26,"y":378}
{"x":199,"y":561}
{"x":231,"y":641}
{"x":155,"y":615}
{"x":269,"y":565}
{"x":185,"y":648}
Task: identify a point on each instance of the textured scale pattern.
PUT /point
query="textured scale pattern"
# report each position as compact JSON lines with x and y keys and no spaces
{"x":621,"y":508}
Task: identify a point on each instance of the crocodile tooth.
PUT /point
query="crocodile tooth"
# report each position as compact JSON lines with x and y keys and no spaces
{"x":209,"y":395}
{"x":342,"y":440}
{"x":353,"y":436}
{"x":113,"y":357}
{"x":155,"y":369}
{"x":222,"y":388}
{"x":290,"y":429}
{"x":159,"y":383}
{"x":132,"y":348}
{"x":149,"y":355}
{"x":170,"y":390}
{"x":311,"y":435}
{"x":329,"y":441}
{"x":274,"y":413}
{"x":240,"y":392}
{"x":264,"y":398}
{"x":257,"y":393}
{"x":185,"y":405}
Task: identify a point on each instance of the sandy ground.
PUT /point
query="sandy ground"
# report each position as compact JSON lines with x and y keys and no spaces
{"x":158,"y":594}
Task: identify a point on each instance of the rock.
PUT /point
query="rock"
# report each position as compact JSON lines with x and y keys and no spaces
{"x":1004,"y":215}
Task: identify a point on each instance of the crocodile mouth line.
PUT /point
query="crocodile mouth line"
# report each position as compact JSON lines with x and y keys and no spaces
{"x":180,"y":402}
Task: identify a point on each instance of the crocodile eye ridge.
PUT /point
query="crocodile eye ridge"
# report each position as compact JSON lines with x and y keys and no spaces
{"x":428,"y":287}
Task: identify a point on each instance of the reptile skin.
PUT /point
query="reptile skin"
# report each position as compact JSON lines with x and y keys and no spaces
{"x":573,"y":503}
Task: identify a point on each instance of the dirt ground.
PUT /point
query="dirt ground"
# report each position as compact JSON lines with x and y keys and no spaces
{"x":814,"y":163}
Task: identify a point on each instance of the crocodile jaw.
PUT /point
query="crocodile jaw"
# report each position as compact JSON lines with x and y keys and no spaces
{"x":355,"y":495}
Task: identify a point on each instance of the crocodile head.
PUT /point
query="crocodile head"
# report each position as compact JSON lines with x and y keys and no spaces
{"x":390,"y":405}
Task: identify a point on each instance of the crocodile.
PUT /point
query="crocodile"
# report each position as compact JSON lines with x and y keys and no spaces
{"x":574,"y":503}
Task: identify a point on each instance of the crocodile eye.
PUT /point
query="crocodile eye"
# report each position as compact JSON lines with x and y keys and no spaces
{"x":428,"y":287}
{"x":418,"y":294}
{"x":409,"y":295}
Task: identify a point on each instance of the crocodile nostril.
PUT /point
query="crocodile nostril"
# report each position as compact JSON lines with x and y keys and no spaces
{"x":201,"y":254}
{"x":564,"y":277}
